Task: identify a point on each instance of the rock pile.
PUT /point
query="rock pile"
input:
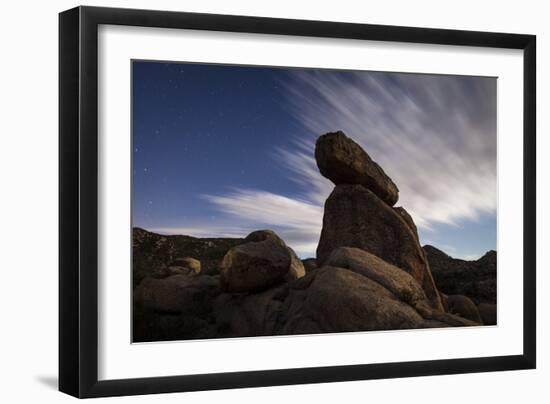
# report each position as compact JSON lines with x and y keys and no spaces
{"x":370,"y":272}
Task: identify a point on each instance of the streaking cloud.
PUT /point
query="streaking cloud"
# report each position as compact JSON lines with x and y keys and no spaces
{"x":297,"y":221}
{"x":435,"y":136}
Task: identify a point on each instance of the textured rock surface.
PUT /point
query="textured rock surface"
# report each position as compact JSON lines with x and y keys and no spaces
{"x":297,"y":269}
{"x":488,"y":313}
{"x":464,"y":307}
{"x":244,"y":315}
{"x":397,"y":281}
{"x":407,"y":218}
{"x":176,"y":307}
{"x":356,"y":217}
{"x":365,"y":294}
{"x":255,"y":266}
{"x":177,"y":293}
{"x":333,"y":299}
{"x":343,"y":161}
{"x":475,"y":279}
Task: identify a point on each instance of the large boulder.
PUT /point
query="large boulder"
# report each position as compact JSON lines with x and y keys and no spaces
{"x":264,"y":260}
{"x":255,"y":266}
{"x":355,"y":217}
{"x":343,"y":161}
{"x":464,"y":307}
{"x":297,"y":269}
{"x":332,"y":299}
{"x":397,"y":281}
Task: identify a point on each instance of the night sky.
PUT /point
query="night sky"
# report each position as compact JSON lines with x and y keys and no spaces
{"x":222,"y":150}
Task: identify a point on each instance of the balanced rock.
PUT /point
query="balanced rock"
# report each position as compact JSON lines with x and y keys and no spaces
{"x":343,"y":161}
{"x":262,"y":261}
{"x":355,"y":217}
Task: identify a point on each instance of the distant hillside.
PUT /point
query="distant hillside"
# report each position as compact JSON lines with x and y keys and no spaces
{"x":153,"y":251}
{"x":475,"y":279}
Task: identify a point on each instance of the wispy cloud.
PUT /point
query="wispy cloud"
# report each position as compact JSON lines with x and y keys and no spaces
{"x":230,"y":231}
{"x":298,"y":221}
{"x":435,"y":136}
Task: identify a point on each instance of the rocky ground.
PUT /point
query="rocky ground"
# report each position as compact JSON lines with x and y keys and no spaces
{"x":370,"y":272}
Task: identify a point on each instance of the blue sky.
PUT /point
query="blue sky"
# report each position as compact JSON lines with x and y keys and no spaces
{"x":222,"y":150}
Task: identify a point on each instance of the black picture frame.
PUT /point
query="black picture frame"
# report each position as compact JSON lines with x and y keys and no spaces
{"x":78,"y":201}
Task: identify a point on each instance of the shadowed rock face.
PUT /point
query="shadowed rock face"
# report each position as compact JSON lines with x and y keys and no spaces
{"x":488,"y":313}
{"x":175,"y":307}
{"x":475,"y":279}
{"x":153,"y":253}
{"x":464,"y":307}
{"x":177,"y":293}
{"x":310,"y":264}
{"x":356,"y":217}
{"x":343,"y":161}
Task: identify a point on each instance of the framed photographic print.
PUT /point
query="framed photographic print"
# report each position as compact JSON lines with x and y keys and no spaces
{"x":251,"y":201}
